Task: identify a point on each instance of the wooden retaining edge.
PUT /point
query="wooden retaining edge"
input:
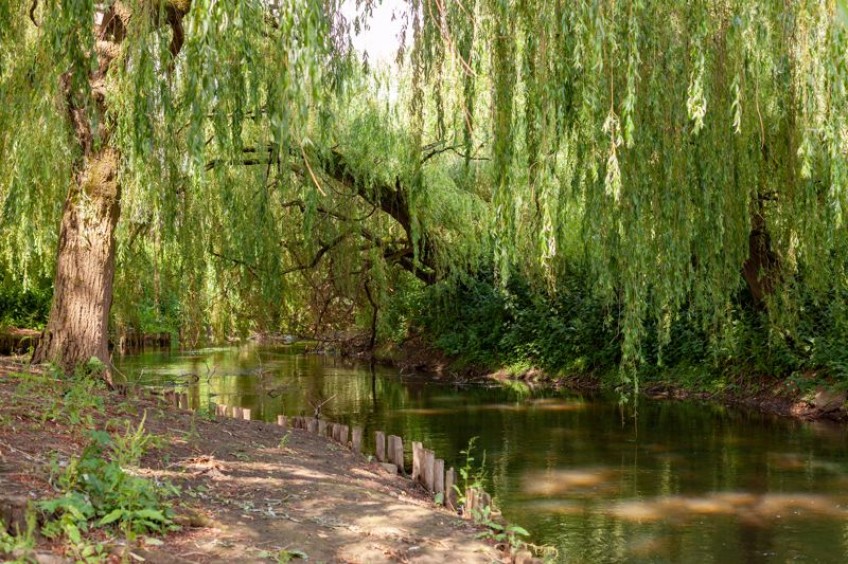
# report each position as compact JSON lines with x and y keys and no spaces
{"x":439,"y":478}
{"x":417,"y":460}
{"x":380,"y":440}
{"x":427,"y":470}
{"x":450,"y":492}
{"x":356,"y":440}
{"x":430,"y":472}
{"x":176,"y":399}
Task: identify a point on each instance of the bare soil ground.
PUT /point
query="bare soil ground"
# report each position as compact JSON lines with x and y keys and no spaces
{"x":245,"y":496}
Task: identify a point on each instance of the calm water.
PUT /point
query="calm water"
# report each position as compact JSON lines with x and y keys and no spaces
{"x":685,"y":482}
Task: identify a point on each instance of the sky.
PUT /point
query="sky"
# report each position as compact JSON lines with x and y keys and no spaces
{"x":380,"y":41}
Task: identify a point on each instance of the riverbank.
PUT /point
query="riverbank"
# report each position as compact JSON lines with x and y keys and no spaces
{"x":807,"y":397}
{"x":246,"y":491}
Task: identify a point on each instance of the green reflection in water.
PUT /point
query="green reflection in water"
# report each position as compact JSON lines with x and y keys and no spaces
{"x":686,"y":482}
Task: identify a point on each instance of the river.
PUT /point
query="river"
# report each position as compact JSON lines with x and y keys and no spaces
{"x":682,"y":482}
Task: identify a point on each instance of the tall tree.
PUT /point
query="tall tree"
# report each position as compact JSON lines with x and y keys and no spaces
{"x":77,"y":329}
{"x":118,"y":76}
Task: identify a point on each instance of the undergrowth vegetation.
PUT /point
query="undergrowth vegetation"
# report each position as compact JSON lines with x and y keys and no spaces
{"x":99,"y":490}
{"x":570,"y":331}
{"x":22,"y":306}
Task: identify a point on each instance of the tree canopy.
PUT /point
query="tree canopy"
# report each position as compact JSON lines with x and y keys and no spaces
{"x":683,"y":153}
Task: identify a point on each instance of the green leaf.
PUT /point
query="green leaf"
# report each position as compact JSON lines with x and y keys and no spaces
{"x":73,"y":533}
{"x":151,"y":514}
{"x":111,"y":517}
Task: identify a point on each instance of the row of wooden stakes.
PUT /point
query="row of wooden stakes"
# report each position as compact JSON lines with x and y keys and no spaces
{"x":427,"y":470}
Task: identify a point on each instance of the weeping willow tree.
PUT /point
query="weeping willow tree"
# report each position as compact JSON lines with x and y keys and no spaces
{"x":116,"y":108}
{"x":685,"y":152}
{"x":198,"y":147}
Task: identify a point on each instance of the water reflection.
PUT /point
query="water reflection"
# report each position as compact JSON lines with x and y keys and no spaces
{"x":686,"y":482}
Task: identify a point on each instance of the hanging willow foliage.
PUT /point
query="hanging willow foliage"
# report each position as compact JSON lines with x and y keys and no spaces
{"x":685,"y":151}
{"x":689,"y":148}
{"x":251,"y":148}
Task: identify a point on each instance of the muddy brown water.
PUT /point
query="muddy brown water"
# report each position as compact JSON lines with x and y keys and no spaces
{"x":682,"y":482}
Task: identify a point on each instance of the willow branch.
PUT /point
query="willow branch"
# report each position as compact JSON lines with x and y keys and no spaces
{"x":325,"y":247}
{"x":32,"y":10}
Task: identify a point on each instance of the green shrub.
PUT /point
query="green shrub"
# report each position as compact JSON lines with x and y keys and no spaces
{"x":98,"y":492}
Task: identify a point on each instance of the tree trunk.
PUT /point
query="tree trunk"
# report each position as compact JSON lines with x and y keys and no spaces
{"x":761,"y":269}
{"x":77,"y":328}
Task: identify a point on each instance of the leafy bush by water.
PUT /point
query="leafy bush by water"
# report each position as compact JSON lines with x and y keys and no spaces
{"x":572,"y":331}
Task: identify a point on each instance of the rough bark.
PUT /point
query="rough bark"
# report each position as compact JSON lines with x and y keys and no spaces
{"x":77,"y":328}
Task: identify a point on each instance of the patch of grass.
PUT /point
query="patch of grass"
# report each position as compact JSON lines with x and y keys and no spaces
{"x":133,"y":444}
{"x":99,"y":493}
{"x":77,"y":405}
{"x":284,"y":441}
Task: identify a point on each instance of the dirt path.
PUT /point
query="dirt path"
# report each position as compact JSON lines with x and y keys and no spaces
{"x":247,"y":494}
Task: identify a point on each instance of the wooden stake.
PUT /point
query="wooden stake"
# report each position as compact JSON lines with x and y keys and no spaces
{"x":484,"y":500}
{"x":470,"y":502}
{"x":245,"y":414}
{"x":439,"y":478}
{"x":322,"y":427}
{"x":220,"y":410}
{"x":396,"y":453}
{"x":390,"y":449}
{"x":450,"y":492}
{"x":356,"y":440}
{"x":428,"y":469}
{"x":344,"y":431}
{"x":312,"y":425}
{"x":283,"y":422}
{"x":183,"y":401}
{"x":417,"y":459}
{"x":380,"y":449}
{"x":238,"y":412}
